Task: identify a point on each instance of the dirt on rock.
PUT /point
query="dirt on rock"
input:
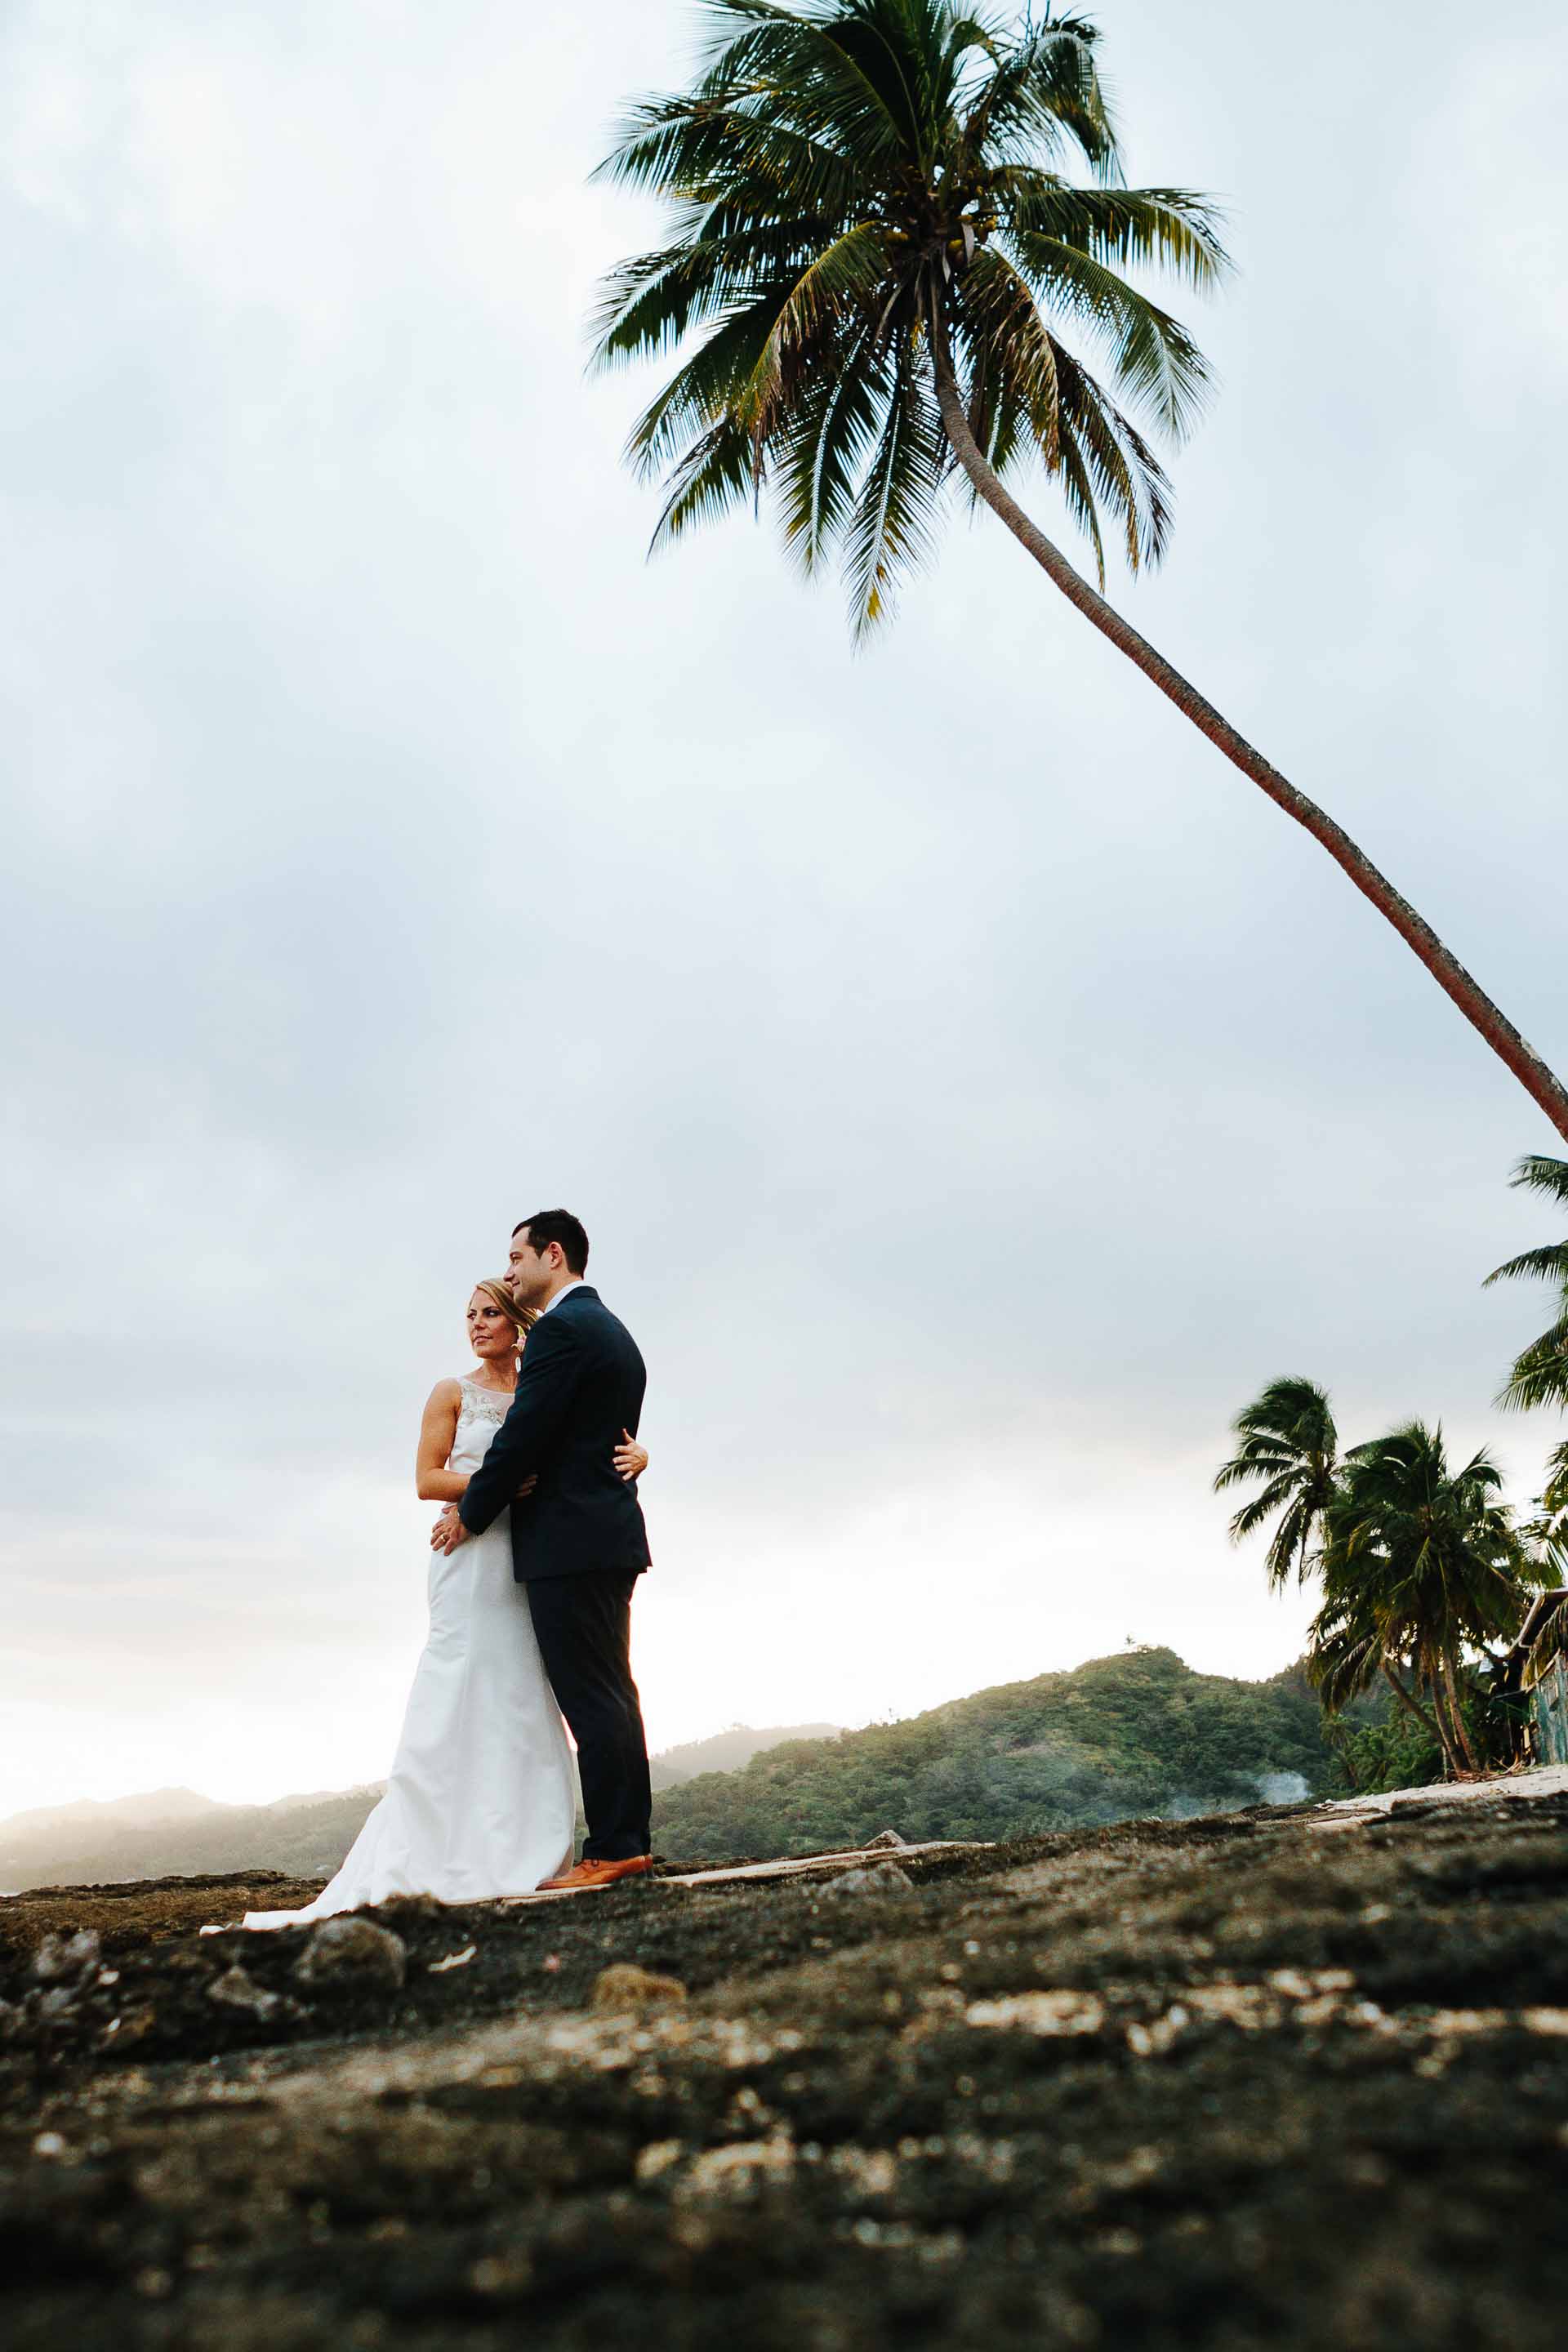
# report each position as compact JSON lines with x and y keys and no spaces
{"x":1269,"y":2080}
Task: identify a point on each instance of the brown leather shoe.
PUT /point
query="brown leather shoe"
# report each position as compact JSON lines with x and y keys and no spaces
{"x":596,"y":1874}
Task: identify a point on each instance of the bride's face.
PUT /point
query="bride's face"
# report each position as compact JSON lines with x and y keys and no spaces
{"x":491,"y":1335}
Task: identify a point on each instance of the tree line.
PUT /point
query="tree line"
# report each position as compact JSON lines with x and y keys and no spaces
{"x":1426,"y":1572}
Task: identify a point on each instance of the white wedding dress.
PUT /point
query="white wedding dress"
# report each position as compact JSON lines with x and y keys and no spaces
{"x":482,"y":1798}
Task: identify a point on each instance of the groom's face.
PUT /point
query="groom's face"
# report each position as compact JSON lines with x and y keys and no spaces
{"x":529,"y":1274}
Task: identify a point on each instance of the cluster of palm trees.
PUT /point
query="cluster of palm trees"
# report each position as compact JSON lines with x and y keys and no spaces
{"x":1424,"y":1569}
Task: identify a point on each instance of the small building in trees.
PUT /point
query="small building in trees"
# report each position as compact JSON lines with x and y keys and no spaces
{"x":1539,"y":1661}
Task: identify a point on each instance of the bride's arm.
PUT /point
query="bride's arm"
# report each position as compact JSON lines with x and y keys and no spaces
{"x":436,"y":1482}
{"x":630,"y":1458}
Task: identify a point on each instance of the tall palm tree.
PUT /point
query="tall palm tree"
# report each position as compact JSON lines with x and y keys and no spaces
{"x":1347,"y":1649}
{"x":1548,"y":1530}
{"x":1419,"y":1560}
{"x":877,"y":247}
{"x":1540,"y":1374}
{"x":1291,"y":1447}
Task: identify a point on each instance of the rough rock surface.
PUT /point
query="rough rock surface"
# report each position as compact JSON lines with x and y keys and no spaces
{"x":350,"y":1954}
{"x":1231,"y":2084}
{"x":883,"y":1881}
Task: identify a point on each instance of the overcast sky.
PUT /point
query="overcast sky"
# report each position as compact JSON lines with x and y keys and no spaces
{"x":974,"y":1089}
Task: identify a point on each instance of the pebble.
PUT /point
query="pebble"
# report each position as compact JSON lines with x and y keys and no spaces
{"x":626,"y":1987}
{"x":414,"y":1907}
{"x":234,"y":1990}
{"x":740,"y":2171}
{"x":353,"y":1956}
{"x":1060,"y":2013}
{"x":882,"y":1881}
{"x":884,"y":1838}
{"x":66,"y":1956}
{"x":453,"y":1960}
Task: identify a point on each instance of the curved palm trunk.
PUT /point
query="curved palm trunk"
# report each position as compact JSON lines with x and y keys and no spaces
{"x":1532,"y":1073}
{"x":1456,"y":1769}
{"x":1456,"y":1715}
{"x":1428,"y":1722}
{"x":1338,"y":1737}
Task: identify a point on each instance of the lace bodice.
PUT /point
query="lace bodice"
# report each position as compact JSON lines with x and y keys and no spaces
{"x":479,"y":1415}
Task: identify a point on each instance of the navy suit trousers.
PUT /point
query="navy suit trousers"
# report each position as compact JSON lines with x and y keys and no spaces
{"x":583,"y":1625}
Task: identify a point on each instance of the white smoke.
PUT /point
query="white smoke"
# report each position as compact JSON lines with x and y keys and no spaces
{"x":1282,"y":1789}
{"x":1273,"y":1789}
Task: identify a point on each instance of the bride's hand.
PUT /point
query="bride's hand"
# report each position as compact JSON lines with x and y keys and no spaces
{"x":527,"y":1487}
{"x":630,"y":1458}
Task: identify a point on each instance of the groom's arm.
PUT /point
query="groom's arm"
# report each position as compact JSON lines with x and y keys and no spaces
{"x":551,"y":1364}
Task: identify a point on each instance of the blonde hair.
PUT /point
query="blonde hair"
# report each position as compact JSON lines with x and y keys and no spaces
{"x":493,"y":1288}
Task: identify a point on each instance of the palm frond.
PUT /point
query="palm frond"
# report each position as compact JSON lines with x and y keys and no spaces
{"x":803,"y":61}
{"x":684,"y":145}
{"x":1344,"y":1649}
{"x":824,"y":450}
{"x":1077,"y":485}
{"x":1540,"y":1373}
{"x":1124,"y":474}
{"x":1255,"y":1513}
{"x":1537,"y":1174}
{"x":1171,"y":229}
{"x":714,"y":476}
{"x":647,"y":304}
{"x":1156,"y":361}
{"x":1006,"y":354}
{"x":1047,"y":89}
{"x":1547,"y":1264}
{"x":1554,"y":1494}
{"x":712,"y":381}
{"x":887,"y":531}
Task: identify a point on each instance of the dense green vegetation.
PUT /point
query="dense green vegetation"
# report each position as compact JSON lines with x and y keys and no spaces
{"x":1427,"y":1574}
{"x":1425,"y":1578}
{"x":1118,"y":1737}
{"x":1539,"y":1372}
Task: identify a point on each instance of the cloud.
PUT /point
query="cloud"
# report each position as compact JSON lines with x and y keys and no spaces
{"x":974,"y":1089}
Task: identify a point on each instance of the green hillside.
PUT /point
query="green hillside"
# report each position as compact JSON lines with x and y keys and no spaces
{"x":1121,"y":1737}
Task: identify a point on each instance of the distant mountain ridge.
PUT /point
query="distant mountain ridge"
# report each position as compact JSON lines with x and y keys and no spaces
{"x":175,"y":1833}
{"x":308,"y":1836}
{"x":728,"y":1751}
{"x":158,"y":1805}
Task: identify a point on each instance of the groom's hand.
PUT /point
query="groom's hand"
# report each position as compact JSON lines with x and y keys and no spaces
{"x":448,"y":1531}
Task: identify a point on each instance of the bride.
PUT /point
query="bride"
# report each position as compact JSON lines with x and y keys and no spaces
{"x":482,"y":1797}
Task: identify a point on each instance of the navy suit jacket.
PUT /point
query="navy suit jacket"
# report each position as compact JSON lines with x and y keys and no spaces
{"x":581,"y":1384}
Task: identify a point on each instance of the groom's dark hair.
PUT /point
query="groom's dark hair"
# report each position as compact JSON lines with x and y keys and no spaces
{"x":556,"y":1226}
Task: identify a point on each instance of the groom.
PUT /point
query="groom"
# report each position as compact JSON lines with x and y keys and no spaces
{"x":578,"y":1543}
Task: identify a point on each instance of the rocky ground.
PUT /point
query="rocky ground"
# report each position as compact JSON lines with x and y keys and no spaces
{"x":1285,"y":2079}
